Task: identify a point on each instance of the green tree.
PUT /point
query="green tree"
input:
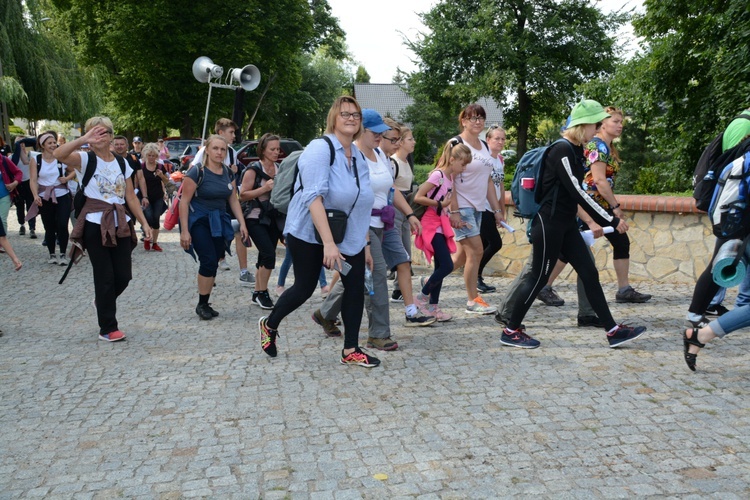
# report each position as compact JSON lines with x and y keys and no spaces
{"x":432,"y":125}
{"x":362,"y":76}
{"x":148,"y":50}
{"x":41,"y":78}
{"x":682,"y":89}
{"x":531,"y":52}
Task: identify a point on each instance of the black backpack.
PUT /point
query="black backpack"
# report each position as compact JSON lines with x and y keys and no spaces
{"x":710,"y":164}
{"x":80,"y":199}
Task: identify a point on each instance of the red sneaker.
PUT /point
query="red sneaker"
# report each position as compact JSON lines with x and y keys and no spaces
{"x":156,"y":248}
{"x":147,"y":245}
{"x":112,"y":336}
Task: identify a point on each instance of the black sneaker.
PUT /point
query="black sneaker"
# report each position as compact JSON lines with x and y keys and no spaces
{"x":624,"y":334}
{"x":213,"y":311}
{"x":204,"y":311}
{"x":396,"y":296}
{"x":483,"y":287}
{"x":593,"y":321}
{"x":263,"y":299}
{"x":21,"y":231}
{"x":32,"y":234}
{"x":504,"y":321}
{"x":419,"y":320}
{"x":697,"y":324}
{"x":550,"y":297}
{"x":631,"y":296}
{"x":267,"y":337}
{"x":360,"y":358}
{"x":518,"y":338}
{"x":716,"y":311}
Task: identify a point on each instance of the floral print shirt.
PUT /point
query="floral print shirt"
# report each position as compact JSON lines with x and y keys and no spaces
{"x":597,"y":150}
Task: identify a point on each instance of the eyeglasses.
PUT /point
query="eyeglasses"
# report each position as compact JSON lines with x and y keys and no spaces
{"x":346,"y":115}
{"x":159,"y":140}
{"x":475,"y":119}
{"x":377,"y":135}
{"x":494,"y":126}
{"x":394,"y":140}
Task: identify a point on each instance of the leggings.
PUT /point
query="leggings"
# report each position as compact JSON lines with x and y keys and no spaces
{"x":491,"y":240}
{"x":443,"y":267}
{"x":307,"y":259}
{"x":706,"y":287}
{"x":153,"y":212}
{"x":265,"y":237}
{"x":55,"y":217}
{"x":551,"y":236}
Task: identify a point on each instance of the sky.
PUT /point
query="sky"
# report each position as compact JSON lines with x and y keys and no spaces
{"x":375,"y":34}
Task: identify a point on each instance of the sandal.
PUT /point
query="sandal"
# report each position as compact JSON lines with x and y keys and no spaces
{"x":691,"y":358}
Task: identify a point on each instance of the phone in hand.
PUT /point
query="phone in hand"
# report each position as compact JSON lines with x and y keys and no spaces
{"x":345,"y":267}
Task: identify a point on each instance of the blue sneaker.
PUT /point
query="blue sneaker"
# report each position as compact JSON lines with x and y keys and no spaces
{"x":518,"y":338}
{"x":624,"y":334}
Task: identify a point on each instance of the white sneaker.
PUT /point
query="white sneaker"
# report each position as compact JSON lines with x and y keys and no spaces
{"x":223,"y":265}
{"x":63,"y":260}
{"x":479,"y":306}
{"x":52,"y":259}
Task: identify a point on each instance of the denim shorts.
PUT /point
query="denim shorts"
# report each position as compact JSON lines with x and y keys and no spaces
{"x":393,"y":248}
{"x":473,"y":220}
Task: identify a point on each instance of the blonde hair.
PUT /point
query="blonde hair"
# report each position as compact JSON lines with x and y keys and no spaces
{"x":151,"y":147}
{"x":224,"y":124}
{"x":99,"y":120}
{"x":453,"y":150}
{"x":333,"y":113}
{"x":398,"y":127}
{"x":576,"y":134}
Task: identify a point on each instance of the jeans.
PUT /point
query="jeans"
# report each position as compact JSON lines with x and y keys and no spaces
{"x":737,"y":318}
{"x":287,"y":264}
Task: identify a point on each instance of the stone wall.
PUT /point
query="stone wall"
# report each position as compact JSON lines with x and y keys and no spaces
{"x":670,"y":241}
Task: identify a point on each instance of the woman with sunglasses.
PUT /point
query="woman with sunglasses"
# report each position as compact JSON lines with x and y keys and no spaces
{"x":104,"y":228}
{"x":322,"y":186}
{"x":473,"y":189}
{"x":554,"y":229}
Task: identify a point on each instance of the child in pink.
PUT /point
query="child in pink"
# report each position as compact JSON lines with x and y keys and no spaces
{"x":437,"y":239}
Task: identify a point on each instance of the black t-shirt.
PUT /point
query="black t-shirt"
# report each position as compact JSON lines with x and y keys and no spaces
{"x":564,"y":167}
{"x":153,"y":182}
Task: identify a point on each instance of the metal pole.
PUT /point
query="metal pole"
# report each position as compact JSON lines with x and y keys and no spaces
{"x":205,"y":119}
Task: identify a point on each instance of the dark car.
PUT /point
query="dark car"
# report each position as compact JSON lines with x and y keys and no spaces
{"x":176,"y":146}
{"x":248,"y":153}
{"x":187,"y":156}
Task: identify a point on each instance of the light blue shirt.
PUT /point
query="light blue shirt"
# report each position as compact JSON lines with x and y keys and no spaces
{"x":338,"y":187}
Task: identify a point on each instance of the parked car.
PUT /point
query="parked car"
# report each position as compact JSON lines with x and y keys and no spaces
{"x":248,"y":153}
{"x":508,"y":154}
{"x":187,"y":156}
{"x":176,"y":146}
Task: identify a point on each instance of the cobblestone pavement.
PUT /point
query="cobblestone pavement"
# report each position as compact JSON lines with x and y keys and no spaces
{"x":190,"y":408}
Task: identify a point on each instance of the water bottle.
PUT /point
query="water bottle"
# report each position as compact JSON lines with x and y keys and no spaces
{"x":391,"y":194}
{"x":369,"y":288}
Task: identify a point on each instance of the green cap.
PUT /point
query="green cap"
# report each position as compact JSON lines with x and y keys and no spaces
{"x":587,"y":111}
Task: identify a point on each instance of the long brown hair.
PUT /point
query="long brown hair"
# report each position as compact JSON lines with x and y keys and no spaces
{"x":612,"y":110}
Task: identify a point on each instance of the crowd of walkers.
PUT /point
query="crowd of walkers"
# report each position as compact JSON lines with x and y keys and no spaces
{"x":355,"y":210}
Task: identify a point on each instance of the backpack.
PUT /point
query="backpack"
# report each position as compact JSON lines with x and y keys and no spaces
{"x":526,"y":195}
{"x":711,"y":160}
{"x":173,"y":212}
{"x":394,"y":163}
{"x":419,"y":210}
{"x":286,"y":176}
{"x":79,"y":200}
{"x":728,"y":210}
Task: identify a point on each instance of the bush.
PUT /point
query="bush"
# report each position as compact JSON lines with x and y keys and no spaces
{"x":421,"y":172}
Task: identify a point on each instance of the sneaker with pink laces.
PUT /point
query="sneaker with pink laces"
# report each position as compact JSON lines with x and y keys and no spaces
{"x":479,"y":306}
{"x":440,"y":315}
{"x":115,"y":336}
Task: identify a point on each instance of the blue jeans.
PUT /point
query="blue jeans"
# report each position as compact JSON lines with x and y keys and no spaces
{"x":443,"y":267}
{"x":737,"y":318}
{"x":743,"y":294}
{"x":287,"y":264}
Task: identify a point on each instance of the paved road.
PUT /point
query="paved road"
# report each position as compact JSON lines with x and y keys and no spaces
{"x":187,"y":408}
